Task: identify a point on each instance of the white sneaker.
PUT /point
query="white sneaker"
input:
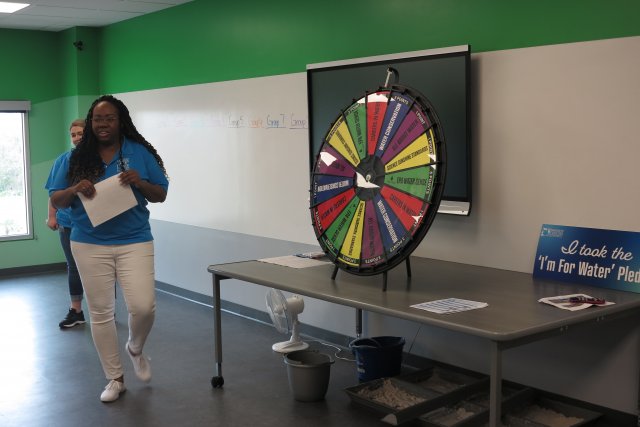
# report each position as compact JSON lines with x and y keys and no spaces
{"x":141,"y":365}
{"x":112,"y":391}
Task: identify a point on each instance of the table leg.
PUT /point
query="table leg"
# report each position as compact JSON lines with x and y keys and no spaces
{"x":495,"y":391}
{"x":217,"y":381}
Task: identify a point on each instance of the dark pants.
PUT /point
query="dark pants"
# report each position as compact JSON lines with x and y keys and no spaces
{"x":75,"y":284}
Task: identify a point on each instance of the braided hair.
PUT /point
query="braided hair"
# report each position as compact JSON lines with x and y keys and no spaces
{"x":85,"y":161}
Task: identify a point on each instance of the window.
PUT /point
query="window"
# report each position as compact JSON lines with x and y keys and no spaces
{"x":15,"y":212}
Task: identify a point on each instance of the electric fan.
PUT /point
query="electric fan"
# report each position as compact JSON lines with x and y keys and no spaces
{"x":284,"y":315}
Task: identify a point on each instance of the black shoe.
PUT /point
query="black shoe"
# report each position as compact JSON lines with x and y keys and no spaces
{"x":72,"y":319}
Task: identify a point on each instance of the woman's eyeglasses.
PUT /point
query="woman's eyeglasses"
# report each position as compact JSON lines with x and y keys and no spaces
{"x":109,"y":120}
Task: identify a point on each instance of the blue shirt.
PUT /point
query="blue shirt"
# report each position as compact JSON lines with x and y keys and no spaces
{"x":131,"y":226}
{"x":63,"y":216}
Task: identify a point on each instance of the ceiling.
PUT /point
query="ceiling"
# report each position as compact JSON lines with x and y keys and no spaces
{"x":57,"y":15}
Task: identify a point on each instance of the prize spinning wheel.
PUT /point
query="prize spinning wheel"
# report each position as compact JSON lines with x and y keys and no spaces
{"x":377,"y":180}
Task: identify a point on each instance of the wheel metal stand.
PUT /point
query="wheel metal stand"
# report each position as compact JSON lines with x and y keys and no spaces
{"x":384,"y":289}
{"x":384,"y":274}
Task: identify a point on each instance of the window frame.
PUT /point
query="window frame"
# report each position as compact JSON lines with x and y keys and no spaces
{"x":22,"y":107}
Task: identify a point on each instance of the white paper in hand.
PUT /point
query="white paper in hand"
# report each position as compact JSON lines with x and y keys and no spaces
{"x":111,"y":199}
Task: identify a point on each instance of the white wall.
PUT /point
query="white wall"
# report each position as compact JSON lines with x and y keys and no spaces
{"x":554,"y":141}
{"x":553,"y":134}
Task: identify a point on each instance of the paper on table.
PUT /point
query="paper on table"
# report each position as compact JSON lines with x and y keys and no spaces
{"x":111,"y":199}
{"x":312,"y":255}
{"x":449,"y":305}
{"x":293,"y":261}
{"x":563,"y":302}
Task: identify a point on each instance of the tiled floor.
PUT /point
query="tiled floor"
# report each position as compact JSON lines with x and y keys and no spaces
{"x":53,"y":378}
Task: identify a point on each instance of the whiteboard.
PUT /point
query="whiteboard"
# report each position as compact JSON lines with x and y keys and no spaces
{"x":236,"y":153}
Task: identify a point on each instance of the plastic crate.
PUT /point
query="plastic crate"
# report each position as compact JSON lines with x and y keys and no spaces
{"x":443,"y":379}
{"x":544,"y":412}
{"x":473,"y":411}
{"x":423,"y":391}
{"x":459,"y":414}
{"x":386,"y":395}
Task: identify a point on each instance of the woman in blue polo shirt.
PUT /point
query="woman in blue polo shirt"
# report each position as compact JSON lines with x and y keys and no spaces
{"x":121,"y":248}
{"x":59,"y":219}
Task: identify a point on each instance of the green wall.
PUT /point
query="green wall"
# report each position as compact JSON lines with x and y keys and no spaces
{"x":61,"y":82}
{"x":31,"y":66}
{"x":205,"y":41}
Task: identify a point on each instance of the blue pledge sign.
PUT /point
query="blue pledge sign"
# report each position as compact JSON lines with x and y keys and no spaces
{"x":604,"y":258}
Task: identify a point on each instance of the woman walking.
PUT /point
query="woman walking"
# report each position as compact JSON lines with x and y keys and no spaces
{"x":122,"y":247}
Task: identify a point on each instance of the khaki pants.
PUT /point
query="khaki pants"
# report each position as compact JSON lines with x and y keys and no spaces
{"x":132,"y":266}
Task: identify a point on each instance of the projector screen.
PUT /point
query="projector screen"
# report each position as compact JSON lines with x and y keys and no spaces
{"x":441,"y":75}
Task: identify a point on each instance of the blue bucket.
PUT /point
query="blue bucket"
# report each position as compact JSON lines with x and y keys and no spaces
{"x":377,"y":357}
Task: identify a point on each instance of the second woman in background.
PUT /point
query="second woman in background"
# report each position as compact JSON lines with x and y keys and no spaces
{"x":59,"y":219}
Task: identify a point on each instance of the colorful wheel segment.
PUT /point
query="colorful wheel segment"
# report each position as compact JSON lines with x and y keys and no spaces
{"x":377,"y":180}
